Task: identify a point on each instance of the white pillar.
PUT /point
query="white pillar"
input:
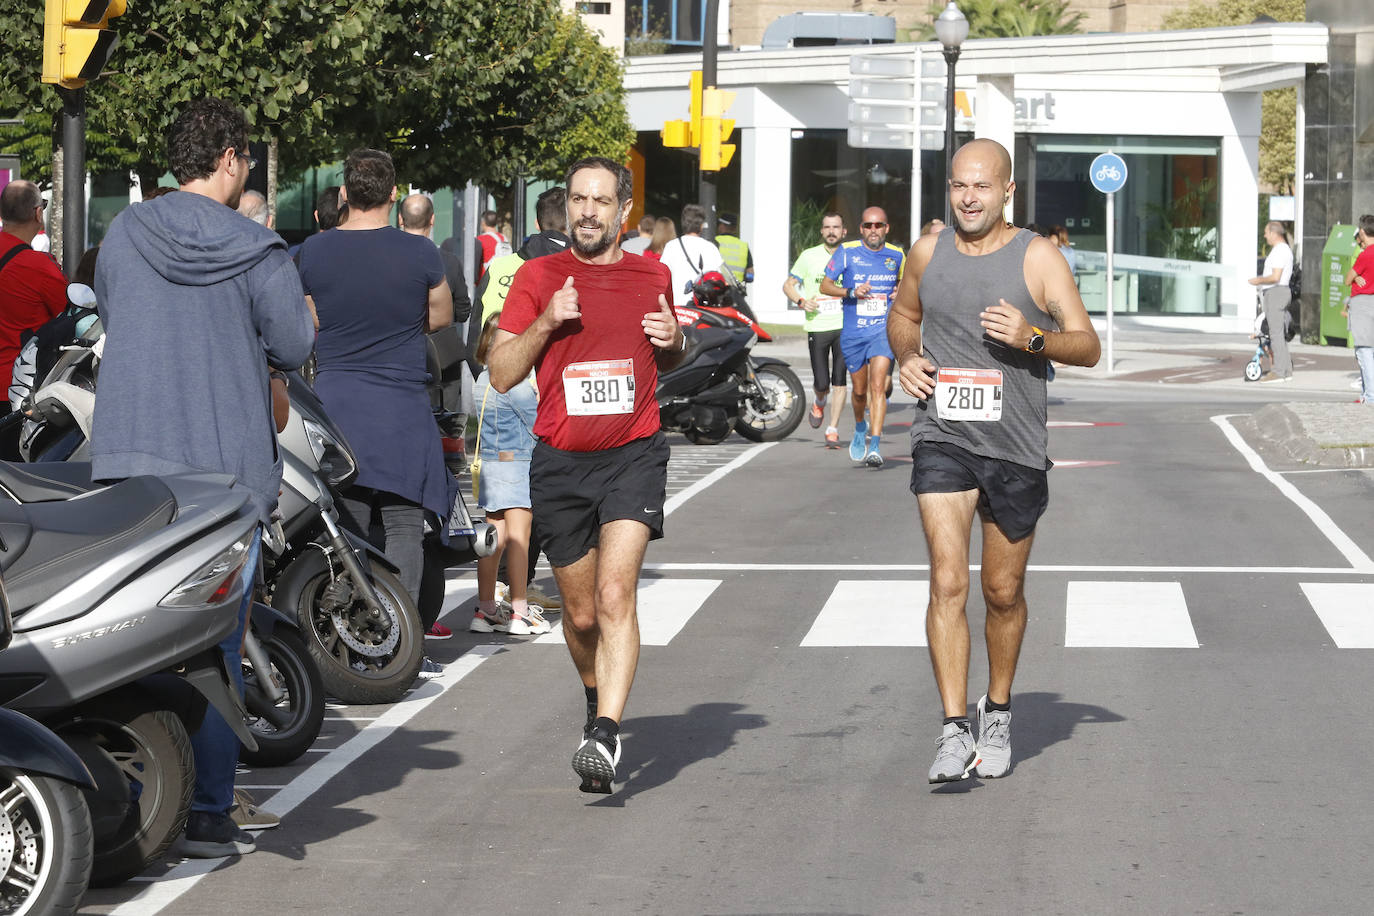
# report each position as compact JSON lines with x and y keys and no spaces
{"x":1238,"y":214}
{"x":766,"y":214}
{"x":1299,"y":171}
{"x":995,"y":117}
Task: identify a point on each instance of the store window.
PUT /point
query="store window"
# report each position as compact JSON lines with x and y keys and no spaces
{"x":829,"y":174}
{"x":1167,"y":236}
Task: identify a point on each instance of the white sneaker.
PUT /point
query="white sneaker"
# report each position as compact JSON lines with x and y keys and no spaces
{"x":499,"y":622}
{"x":531,"y":624}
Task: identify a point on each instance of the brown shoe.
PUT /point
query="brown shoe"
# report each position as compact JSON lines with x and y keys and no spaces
{"x":248,"y":815}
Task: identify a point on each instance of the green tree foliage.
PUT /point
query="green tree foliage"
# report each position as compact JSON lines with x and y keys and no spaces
{"x":456,"y":92}
{"x":1278,"y":108}
{"x":1009,"y":18}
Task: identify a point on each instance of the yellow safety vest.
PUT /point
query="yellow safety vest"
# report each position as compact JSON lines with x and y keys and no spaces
{"x":735,"y":251}
{"x":500,"y":273}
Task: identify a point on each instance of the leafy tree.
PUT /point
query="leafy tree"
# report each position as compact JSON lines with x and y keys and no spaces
{"x":1009,"y":18}
{"x":456,"y":92}
{"x":1278,"y":107}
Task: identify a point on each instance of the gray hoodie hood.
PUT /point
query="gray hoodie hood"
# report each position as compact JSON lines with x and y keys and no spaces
{"x":192,"y":240}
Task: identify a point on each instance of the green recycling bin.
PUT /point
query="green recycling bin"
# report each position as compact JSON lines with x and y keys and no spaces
{"x":1337,"y":256}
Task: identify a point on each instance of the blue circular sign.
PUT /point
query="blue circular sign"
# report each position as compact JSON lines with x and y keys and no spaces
{"x":1108,"y":173}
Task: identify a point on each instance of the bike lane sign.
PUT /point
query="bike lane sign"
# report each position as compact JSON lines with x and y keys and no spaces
{"x":1108,"y":173}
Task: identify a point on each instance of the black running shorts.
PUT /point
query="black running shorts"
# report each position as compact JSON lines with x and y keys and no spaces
{"x":572,"y":494}
{"x":1011,"y":495}
{"x":827,"y":360}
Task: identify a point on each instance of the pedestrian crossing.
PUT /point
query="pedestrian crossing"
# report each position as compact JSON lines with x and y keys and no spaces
{"x":1096,"y":614}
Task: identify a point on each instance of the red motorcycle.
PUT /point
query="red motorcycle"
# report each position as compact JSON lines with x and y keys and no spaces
{"x":717,"y":303}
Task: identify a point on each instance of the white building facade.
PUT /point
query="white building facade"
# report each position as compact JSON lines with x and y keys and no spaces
{"x":1182,"y":108}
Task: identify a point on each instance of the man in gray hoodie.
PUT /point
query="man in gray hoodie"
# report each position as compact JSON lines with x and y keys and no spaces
{"x":197,"y":303}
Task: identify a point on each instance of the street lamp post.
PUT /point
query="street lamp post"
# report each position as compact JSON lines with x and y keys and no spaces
{"x":951,"y":27}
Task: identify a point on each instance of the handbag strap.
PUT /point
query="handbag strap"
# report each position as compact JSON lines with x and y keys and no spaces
{"x":480,"y":414}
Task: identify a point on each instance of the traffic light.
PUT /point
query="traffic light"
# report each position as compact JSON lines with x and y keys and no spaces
{"x":715,"y":130}
{"x":76,"y":40}
{"x":686,"y":133}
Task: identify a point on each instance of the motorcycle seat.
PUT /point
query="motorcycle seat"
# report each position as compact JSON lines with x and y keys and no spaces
{"x":45,"y":481}
{"x":699,"y":340}
{"x":44,"y":547}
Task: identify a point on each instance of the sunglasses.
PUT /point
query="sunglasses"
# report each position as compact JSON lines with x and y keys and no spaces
{"x":873,"y":225}
{"x":252,"y":163}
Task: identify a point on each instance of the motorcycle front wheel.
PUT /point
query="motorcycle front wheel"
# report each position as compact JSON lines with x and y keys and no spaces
{"x":140,"y":757}
{"x":357,"y":664}
{"x":287,"y":730}
{"x":45,"y":845}
{"x":776,"y":410}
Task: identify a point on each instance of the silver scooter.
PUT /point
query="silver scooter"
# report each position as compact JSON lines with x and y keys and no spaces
{"x":45,"y":826}
{"x":120,"y":596}
{"x":368,"y":638}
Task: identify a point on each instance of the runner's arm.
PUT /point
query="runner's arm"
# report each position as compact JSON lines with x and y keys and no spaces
{"x":512,"y":356}
{"x":792,"y":290}
{"x":1051,"y":284}
{"x":914,"y":371}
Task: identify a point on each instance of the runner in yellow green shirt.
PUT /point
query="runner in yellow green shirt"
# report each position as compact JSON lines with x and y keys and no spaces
{"x":824,"y":322}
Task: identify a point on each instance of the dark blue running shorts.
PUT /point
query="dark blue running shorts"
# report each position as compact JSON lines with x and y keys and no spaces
{"x":1011,"y":495}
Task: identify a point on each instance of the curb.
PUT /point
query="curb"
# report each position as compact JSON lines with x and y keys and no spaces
{"x":1282,"y":425}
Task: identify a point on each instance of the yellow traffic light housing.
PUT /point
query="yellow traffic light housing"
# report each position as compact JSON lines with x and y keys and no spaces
{"x":715,"y":152}
{"x":676,"y":133}
{"x":76,"y":40}
{"x":694,"y":108}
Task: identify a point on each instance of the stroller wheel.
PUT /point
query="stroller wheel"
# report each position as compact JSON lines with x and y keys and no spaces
{"x":1253,"y":370}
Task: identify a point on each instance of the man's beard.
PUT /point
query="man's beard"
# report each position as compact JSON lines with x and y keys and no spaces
{"x":598,"y":247}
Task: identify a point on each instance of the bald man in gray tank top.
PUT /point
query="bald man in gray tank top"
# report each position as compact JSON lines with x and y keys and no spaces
{"x":982,"y":308}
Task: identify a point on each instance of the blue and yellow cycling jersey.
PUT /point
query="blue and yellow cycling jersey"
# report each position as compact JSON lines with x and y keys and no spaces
{"x":856,"y":263}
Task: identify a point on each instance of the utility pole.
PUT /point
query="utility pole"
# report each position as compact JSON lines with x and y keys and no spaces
{"x":707,"y":195}
{"x":73,"y":177}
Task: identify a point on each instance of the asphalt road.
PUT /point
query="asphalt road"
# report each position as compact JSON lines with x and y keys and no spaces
{"x":1188,"y":733}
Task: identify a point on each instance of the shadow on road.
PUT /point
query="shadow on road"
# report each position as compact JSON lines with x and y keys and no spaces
{"x":673,"y":743}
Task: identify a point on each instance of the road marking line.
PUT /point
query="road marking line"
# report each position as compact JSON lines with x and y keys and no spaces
{"x":1132,"y":615}
{"x":1346,"y":610}
{"x":880,"y":612}
{"x":258,"y":788}
{"x":351,"y":719}
{"x":181,"y":878}
{"x":674,"y":503}
{"x":923,"y":567}
{"x":1357,"y":558}
{"x":663,"y":605}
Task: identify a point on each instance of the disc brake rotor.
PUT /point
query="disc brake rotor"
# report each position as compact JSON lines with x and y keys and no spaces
{"x":342,"y":626}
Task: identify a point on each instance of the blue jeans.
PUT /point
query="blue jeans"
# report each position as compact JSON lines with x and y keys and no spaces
{"x":214,"y":744}
{"x":1365,"y":357}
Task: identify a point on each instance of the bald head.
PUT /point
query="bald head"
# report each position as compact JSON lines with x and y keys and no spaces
{"x":417,"y":213}
{"x":253,"y":205}
{"x":990,"y":154}
{"x":19,"y":204}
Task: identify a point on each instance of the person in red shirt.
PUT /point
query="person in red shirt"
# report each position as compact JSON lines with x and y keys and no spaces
{"x":597,"y":327}
{"x":491,"y":242}
{"x":32,"y":288}
{"x":1359,"y":308}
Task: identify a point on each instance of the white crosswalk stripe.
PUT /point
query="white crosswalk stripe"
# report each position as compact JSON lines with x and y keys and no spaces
{"x":664,"y":607}
{"x":1346,"y":610}
{"x":871,"y":612}
{"x":1136,"y":615}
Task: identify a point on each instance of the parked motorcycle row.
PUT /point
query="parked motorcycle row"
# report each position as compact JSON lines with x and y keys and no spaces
{"x":114,"y":598}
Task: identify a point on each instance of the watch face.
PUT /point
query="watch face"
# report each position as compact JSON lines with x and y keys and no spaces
{"x":1037,"y":343}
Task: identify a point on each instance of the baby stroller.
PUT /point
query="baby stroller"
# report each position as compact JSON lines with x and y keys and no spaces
{"x":1263,"y":351}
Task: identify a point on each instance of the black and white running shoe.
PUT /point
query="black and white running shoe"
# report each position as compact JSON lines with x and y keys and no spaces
{"x":595,"y":762}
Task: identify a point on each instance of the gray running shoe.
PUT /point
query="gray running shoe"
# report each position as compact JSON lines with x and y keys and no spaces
{"x":957,"y":754}
{"x":994,"y":741}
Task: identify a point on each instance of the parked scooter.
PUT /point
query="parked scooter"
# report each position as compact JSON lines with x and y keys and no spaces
{"x":113,"y":592}
{"x":720,"y":385}
{"x":45,"y":826}
{"x":368,"y":637}
{"x":719,"y":303}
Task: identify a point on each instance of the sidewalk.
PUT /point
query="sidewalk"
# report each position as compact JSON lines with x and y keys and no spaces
{"x":1313,"y":418}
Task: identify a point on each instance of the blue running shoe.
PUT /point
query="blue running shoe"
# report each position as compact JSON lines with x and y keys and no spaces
{"x":858,"y":446}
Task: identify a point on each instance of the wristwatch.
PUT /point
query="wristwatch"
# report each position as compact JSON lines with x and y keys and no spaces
{"x":1037,"y":341}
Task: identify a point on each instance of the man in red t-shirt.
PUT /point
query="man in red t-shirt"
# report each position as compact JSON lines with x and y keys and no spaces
{"x":32,"y":288}
{"x":491,"y":242}
{"x":596,"y":326}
